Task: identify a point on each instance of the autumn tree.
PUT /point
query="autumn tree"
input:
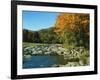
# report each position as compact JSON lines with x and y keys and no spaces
{"x":73,"y":28}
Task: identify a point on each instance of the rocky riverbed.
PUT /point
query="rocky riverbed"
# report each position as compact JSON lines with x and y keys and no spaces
{"x":78,"y":56}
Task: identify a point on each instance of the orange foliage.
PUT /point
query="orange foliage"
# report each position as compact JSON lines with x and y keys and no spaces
{"x":72,"y":22}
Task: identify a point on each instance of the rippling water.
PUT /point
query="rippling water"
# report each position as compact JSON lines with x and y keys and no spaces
{"x":40,"y":61}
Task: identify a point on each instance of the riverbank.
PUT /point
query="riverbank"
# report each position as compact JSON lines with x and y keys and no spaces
{"x":78,"y":56}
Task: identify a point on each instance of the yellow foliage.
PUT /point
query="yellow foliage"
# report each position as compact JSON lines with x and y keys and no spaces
{"x":72,"y":22}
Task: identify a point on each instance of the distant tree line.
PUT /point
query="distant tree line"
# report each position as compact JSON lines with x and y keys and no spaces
{"x":41,"y":36}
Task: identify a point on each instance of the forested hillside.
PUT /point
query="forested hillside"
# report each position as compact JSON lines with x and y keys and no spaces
{"x":41,"y":36}
{"x":71,"y":29}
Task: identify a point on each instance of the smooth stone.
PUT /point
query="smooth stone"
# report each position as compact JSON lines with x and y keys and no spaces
{"x":27,"y":56}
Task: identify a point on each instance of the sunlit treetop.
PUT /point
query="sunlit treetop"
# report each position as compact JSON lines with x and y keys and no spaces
{"x":72,"y":22}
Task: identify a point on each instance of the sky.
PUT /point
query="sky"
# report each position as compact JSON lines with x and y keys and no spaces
{"x":35,"y":20}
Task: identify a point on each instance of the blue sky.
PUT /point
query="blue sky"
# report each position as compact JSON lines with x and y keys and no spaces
{"x":35,"y":20}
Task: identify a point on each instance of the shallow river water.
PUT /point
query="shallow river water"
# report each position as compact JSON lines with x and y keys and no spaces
{"x":40,"y":61}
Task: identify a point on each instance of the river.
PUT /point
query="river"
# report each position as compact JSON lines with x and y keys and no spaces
{"x":40,"y":61}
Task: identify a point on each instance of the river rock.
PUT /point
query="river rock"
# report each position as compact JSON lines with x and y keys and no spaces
{"x":27,"y":56}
